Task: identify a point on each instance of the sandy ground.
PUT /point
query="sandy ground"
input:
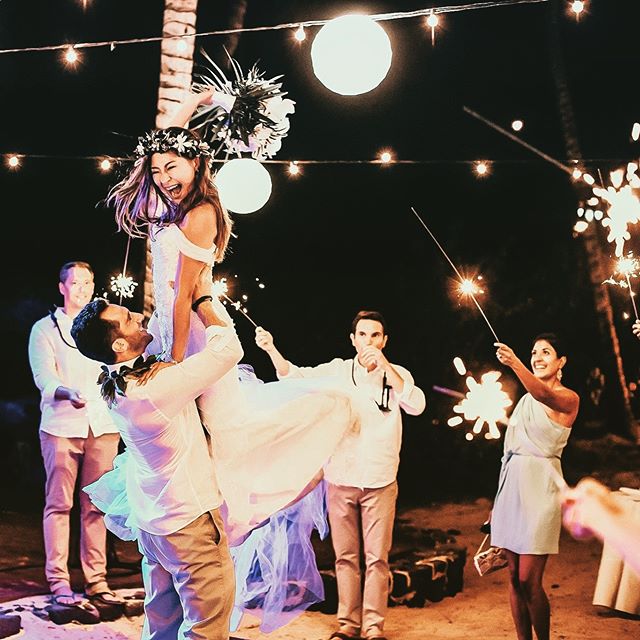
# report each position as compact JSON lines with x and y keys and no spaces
{"x":479,"y":611}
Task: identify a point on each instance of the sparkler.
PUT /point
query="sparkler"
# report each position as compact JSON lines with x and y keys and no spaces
{"x":123,"y":285}
{"x":462,"y":280}
{"x":627,"y":267}
{"x":622,"y":203}
{"x":220,"y":289}
{"x":469,"y":287}
{"x":484,"y":403}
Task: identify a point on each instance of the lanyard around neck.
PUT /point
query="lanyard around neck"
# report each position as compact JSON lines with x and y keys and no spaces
{"x":383,"y":405}
{"x":52,"y":315}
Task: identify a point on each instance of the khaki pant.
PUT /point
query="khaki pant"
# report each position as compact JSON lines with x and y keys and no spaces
{"x":362,"y":522}
{"x":189,"y":581}
{"x":64,"y":460}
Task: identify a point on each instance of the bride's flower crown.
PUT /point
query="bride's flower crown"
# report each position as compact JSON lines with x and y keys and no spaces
{"x":176,"y":139}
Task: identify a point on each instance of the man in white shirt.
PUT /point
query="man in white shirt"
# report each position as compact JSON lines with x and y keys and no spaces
{"x":171,"y":483}
{"x":78,"y":439}
{"x":361,"y":474}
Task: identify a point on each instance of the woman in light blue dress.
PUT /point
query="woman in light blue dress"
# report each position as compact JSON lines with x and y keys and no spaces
{"x":526,"y":518}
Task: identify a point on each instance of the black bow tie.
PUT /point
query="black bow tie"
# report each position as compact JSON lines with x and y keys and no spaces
{"x":115,"y":383}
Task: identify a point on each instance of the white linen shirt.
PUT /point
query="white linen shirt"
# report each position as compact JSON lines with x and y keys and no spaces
{"x":370,"y":458}
{"x":56,"y":364}
{"x":171,"y":478}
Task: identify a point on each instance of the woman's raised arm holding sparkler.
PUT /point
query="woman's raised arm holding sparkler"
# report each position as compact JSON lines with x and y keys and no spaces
{"x":544,"y":382}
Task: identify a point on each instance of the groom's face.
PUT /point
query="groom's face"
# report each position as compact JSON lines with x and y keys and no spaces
{"x":130,"y":326}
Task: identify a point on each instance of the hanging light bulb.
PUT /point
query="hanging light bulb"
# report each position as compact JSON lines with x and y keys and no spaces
{"x":481,"y":168}
{"x":517,"y":125}
{"x":385,"y":157}
{"x":293,"y":168}
{"x":13,"y":162}
{"x":105,"y":165}
{"x":577,"y":6}
{"x":182,"y":46}
{"x":71,"y":55}
{"x":432,"y":23}
{"x":300,"y":34}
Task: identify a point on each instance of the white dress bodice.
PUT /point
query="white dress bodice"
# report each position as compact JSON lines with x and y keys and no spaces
{"x":166,"y":245}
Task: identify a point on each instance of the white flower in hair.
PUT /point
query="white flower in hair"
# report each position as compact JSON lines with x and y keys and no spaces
{"x":182,"y":143}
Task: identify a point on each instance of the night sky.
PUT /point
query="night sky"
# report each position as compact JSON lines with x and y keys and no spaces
{"x":342,"y":237}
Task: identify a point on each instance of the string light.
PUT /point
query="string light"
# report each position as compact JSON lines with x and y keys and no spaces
{"x":576,"y":174}
{"x":13,"y":162}
{"x":300,"y":34}
{"x":299,"y":163}
{"x":577,"y":6}
{"x":71,"y":56}
{"x":432,"y":23}
{"x":517,"y":125}
{"x":105,"y":165}
{"x":386,"y":157}
{"x":481,"y":168}
{"x":380,"y":17}
{"x":293,"y":168}
{"x":635,"y":131}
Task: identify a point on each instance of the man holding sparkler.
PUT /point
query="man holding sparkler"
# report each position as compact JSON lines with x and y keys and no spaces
{"x":361,"y":474}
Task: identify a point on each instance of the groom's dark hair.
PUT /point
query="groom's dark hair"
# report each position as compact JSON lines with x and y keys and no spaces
{"x":93,"y":335}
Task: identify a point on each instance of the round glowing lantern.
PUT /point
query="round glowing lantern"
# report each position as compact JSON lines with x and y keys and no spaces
{"x":244,"y":185}
{"x":351,"y":55}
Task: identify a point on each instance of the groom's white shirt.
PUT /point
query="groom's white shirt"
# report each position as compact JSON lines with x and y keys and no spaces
{"x":171,"y":478}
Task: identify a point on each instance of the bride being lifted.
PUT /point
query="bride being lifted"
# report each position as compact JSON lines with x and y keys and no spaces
{"x":270,"y":441}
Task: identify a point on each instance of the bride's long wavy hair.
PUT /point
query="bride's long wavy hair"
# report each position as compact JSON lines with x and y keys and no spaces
{"x":140,"y":206}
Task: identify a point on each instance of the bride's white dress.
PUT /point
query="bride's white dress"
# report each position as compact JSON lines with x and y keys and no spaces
{"x":269,"y":440}
{"x":269,"y":445}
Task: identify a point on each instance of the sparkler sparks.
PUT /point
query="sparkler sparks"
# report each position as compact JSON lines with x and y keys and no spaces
{"x":485,"y":403}
{"x":123,"y":285}
{"x":469,"y":288}
{"x":627,"y":267}
{"x":220,"y":289}
{"x":622,"y":205}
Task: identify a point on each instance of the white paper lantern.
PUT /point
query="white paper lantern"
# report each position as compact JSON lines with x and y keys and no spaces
{"x":244,"y":185}
{"x":351,"y":55}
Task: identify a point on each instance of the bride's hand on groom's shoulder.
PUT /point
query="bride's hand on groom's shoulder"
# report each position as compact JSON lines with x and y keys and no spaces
{"x":153,"y":371}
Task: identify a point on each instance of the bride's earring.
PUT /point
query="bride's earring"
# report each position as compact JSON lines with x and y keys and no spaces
{"x":559,"y":374}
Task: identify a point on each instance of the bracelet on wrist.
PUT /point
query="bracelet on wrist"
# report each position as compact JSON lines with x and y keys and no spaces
{"x":199,"y":301}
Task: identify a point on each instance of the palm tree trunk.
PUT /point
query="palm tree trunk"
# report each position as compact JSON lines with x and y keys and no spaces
{"x":590,"y":237}
{"x":176,"y":66}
